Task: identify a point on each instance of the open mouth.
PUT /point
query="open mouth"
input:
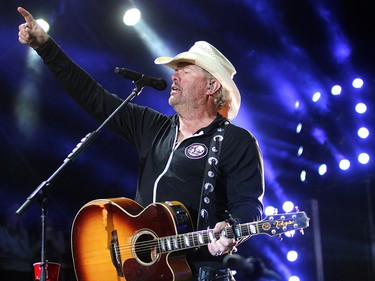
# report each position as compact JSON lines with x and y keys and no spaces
{"x":174,"y":89}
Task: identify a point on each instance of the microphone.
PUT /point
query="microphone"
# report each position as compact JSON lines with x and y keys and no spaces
{"x":157,"y":83}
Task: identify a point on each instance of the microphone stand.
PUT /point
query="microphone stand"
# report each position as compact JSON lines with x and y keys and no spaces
{"x":39,"y":194}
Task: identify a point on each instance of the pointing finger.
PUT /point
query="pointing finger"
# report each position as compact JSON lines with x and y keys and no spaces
{"x":30,"y":21}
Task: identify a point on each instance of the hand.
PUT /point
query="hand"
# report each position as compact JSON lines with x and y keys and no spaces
{"x":30,"y":33}
{"x":222,"y":245}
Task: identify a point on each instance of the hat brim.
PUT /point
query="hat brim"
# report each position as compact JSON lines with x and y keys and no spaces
{"x":215,"y":69}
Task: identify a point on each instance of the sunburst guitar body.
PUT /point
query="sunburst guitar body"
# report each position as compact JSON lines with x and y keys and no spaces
{"x":117,"y":239}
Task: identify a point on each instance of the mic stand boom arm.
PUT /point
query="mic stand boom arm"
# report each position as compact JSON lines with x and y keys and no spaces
{"x":39,"y":195}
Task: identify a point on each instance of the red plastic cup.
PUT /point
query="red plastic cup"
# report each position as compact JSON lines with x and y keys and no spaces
{"x":52,"y":271}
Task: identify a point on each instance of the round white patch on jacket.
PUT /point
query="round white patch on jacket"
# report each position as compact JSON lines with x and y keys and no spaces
{"x":196,"y":151}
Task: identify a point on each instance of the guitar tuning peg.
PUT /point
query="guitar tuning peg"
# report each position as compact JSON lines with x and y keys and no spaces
{"x":297,"y":208}
{"x":301,"y":231}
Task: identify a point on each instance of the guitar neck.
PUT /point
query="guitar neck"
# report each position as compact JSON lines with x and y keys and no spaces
{"x":203,"y":237}
{"x":271,"y":225}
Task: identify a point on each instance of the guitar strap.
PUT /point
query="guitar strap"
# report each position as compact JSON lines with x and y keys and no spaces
{"x":210,"y":175}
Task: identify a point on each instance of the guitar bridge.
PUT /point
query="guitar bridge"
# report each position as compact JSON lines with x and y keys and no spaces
{"x":115,"y":254}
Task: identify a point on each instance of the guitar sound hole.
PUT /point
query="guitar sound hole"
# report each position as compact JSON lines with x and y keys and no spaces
{"x":145,"y":248}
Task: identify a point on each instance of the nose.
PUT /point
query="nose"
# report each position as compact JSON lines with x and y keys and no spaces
{"x":175,"y":76}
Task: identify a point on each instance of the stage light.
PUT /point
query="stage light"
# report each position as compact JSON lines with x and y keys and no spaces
{"x":296,"y":105}
{"x":303,"y":175}
{"x":316,"y":96}
{"x":293,"y":278}
{"x":43,"y":24}
{"x":292,"y":256}
{"x":357,"y":83}
{"x":336,"y":90}
{"x":288,"y":206}
{"x":344,"y":164}
{"x":132,"y":17}
{"x":300,"y":151}
{"x":322,"y":169}
{"x":363,"y":158}
{"x":361,"y":108}
{"x":290,"y":234}
{"x":363,"y":132}
{"x":299,"y":128}
{"x":270,"y":210}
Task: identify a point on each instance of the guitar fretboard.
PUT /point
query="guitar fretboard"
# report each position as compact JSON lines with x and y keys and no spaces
{"x":201,"y":238}
{"x":271,"y":225}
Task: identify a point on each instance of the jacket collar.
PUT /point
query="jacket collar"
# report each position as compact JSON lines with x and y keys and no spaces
{"x":218,"y":122}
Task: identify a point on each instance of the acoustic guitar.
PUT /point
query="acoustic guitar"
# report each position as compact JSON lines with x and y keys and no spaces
{"x":118,"y":239}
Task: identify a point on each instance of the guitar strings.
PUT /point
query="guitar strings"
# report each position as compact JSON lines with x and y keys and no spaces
{"x":171,"y":241}
{"x":168,"y":243}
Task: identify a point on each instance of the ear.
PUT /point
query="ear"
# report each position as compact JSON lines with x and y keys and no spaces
{"x":213,"y":86}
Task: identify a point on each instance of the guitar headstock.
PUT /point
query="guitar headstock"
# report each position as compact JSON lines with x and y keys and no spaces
{"x":281,"y":223}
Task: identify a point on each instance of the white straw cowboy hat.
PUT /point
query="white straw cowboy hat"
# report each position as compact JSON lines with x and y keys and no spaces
{"x":212,"y":60}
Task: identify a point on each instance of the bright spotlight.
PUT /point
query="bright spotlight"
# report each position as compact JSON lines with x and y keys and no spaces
{"x":322,"y":169}
{"x":292,"y":256}
{"x":290,"y":233}
{"x":302,"y":176}
{"x":299,"y":128}
{"x":344,"y":164}
{"x":296,"y":104}
{"x":288,"y":206}
{"x":132,"y":17}
{"x":336,"y":90}
{"x":316,"y":96}
{"x":363,"y":158}
{"x":360,"y":108}
{"x":357,"y":83}
{"x":270,"y":210}
{"x":300,"y":151}
{"x":293,"y":278}
{"x":363,"y":132}
{"x":43,"y":24}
